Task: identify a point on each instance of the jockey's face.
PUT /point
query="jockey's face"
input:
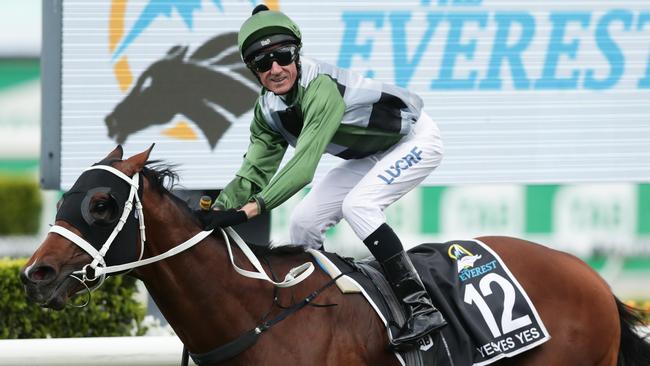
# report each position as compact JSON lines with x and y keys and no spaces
{"x":279,"y":79}
{"x":276,"y":67}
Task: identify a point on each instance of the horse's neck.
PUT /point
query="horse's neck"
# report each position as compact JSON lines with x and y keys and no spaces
{"x":199,"y":293}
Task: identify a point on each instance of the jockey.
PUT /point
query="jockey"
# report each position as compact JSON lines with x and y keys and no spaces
{"x":388,"y":143}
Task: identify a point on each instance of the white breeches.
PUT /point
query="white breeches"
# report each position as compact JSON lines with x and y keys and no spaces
{"x":359,"y":190}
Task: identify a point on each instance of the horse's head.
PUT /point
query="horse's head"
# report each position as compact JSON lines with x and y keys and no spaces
{"x":154,"y":99}
{"x":211,"y":87}
{"x":100,"y":215}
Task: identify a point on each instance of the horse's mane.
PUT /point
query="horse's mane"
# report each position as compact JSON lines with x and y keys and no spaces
{"x":162,"y":177}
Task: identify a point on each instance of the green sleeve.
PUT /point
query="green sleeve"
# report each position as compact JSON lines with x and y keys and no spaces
{"x":322,"y":108}
{"x":265,"y":152}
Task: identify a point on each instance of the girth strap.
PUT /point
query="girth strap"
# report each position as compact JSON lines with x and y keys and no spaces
{"x":248,"y":339}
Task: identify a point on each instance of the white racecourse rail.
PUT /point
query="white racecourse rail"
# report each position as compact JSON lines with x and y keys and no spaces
{"x":102,"y":351}
{"x":96,"y":351}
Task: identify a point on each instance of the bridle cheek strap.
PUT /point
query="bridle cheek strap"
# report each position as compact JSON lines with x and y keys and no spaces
{"x":128,"y":205}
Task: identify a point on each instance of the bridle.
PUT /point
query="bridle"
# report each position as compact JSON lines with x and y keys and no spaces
{"x":98,"y":269}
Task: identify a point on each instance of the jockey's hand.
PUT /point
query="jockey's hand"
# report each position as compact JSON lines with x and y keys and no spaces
{"x":211,"y":219}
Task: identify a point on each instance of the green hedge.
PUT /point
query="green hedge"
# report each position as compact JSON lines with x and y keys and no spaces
{"x":113,"y":311}
{"x":20,"y":206}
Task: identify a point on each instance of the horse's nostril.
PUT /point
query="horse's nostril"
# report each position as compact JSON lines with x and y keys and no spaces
{"x":42,"y":274}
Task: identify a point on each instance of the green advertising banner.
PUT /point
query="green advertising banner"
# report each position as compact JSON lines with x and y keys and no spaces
{"x":19,"y":115}
{"x":579,"y":218}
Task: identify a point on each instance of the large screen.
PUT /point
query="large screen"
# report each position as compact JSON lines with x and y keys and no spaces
{"x":524,"y":92}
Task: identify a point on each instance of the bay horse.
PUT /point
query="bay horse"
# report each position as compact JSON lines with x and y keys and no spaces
{"x":208,"y":304}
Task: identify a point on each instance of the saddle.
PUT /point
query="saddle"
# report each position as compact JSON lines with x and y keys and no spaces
{"x":489,"y":315}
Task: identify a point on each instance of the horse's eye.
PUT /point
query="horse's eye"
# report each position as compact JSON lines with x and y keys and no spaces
{"x":101,"y":207}
{"x":104,"y":211}
{"x":146,"y":83}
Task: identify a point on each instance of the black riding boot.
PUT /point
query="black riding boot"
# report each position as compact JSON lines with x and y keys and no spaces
{"x":423,"y":317}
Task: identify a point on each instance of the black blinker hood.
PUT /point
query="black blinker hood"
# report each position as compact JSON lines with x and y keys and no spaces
{"x":75,"y":210}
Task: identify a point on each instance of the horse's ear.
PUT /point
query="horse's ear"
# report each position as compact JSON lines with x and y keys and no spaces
{"x":116,"y":154}
{"x":177,"y":52}
{"x":135,"y":163}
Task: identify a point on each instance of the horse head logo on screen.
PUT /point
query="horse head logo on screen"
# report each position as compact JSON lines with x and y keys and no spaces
{"x":207,"y":89}
{"x":211,"y":87}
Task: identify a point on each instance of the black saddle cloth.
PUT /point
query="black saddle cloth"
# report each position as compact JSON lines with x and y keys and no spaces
{"x":488,"y":313}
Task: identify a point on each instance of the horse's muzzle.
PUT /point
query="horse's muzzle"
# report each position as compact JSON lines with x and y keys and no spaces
{"x":45,"y":286}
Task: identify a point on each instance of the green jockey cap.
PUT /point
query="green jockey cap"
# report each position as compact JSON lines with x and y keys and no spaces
{"x":266,"y":28}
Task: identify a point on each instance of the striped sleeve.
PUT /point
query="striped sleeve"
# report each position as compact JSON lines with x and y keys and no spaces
{"x":261,"y":161}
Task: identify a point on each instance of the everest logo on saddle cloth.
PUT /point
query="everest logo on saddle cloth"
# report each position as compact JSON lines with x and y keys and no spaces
{"x":207,"y":89}
{"x":463,"y":257}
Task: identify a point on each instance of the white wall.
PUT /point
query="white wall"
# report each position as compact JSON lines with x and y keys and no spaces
{"x":20,"y":28}
{"x":99,"y":351}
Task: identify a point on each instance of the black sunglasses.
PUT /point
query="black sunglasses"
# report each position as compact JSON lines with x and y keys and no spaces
{"x":282,"y":55}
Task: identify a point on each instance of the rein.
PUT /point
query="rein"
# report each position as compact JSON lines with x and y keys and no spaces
{"x":98,"y":269}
